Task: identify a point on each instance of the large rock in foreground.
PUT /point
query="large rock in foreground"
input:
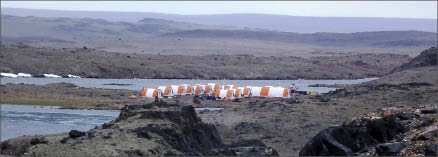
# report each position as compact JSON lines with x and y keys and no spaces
{"x":389,"y":132}
{"x":157,"y":129}
{"x":353,"y":138}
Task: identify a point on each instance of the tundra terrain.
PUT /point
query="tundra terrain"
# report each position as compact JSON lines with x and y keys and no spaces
{"x":86,"y":62}
{"x":285,"y":125}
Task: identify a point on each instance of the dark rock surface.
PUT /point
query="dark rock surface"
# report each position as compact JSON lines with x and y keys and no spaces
{"x":76,"y":134}
{"x":431,"y":150}
{"x":353,"y":138}
{"x":159,"y":129}
{"x":389,"y":149}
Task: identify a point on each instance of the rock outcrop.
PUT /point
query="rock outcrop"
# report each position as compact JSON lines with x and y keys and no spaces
{"x":142,"y":130}
{"x":353,"y":138}
{"x":390,"y":132}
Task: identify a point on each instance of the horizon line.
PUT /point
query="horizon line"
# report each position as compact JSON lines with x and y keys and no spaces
{"x":219,"y":14}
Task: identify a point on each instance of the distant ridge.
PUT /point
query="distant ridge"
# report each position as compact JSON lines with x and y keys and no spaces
{"x":300,"y":24}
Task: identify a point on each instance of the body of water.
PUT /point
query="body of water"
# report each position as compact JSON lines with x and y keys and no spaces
{"x":19,"y":120}
{"x":138,"y":84}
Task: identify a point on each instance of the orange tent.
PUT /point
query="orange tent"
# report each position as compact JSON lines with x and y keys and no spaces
{"x":178,"y":89}
{"x":225,"y":94}
{"x":198,"y":90}
{"x":167,"y":90}
{"x":264,"y":92}
{"x":152,"y":93}
{"x":143,"y":92}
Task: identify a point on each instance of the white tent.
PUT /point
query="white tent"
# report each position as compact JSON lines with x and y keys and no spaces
{"x":255,"y":91}
{"x":214,"y":86}
{"x":246,"y":91}
{"x":225,"y":94}
{"x":207,"y":89}
{"x":198,"y":90}
{"x":188,"y":88}
{"x":237,"y":93}
{"x":167,"y":91}
{"x":279,"y":92}
{"x":178,"y":89}
{"x":152,"y":93}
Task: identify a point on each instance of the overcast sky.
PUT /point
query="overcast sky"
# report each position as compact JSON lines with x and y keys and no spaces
{"x":423,"y":9}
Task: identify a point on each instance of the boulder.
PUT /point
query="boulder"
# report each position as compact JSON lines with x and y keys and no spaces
{"x":76,"y":134}
{"x":389,"y":149}
{"x":429,"y":111}
{"x":431,"y":150}
{"x":353,"y":138}
{"x":41,"y":140}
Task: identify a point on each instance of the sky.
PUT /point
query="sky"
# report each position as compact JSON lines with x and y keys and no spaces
{"x":402,"y":9}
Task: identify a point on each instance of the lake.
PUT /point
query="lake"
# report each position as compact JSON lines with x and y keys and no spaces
{"x":19,"y":120}
{"x":138,"y":84}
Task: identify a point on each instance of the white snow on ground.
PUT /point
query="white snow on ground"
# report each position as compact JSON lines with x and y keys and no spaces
{"x":8,"y":75}
{"x":73,"y":76}
{"x":24,"y":75}
{"x":52,"y":76}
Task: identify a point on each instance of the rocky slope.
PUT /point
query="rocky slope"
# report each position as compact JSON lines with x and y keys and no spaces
{"x":140,"y":130}
{"x":422,"y":69}
{"x":426,"y":58}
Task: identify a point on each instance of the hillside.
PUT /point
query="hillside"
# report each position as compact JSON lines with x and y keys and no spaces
{"x":426,"y":58}
{"x":157,"y":36}
{"x":383,"y":38}
{"x":87,"y":62}
{"x":422,"y":69}
{"x":301,"y":24}
{"x":68,"y":28}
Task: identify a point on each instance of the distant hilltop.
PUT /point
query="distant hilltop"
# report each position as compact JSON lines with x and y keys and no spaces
{"x":299,"y":24}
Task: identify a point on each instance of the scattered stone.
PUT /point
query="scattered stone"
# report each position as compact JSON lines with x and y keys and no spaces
{"x":389,"y":149}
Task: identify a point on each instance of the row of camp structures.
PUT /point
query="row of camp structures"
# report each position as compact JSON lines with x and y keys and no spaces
{"x":228,"y":92}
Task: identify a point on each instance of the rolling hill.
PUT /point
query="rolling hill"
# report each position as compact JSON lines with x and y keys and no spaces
{"x":158,"y":36}
{"x":300,"y":24}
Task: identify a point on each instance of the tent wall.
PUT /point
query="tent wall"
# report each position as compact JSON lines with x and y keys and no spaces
{"x":178,"y":90}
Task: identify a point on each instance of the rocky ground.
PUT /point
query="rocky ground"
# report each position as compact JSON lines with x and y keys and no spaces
{"x":155,"y":129}
{"x":93,"y":63}
{"x":284,"y":124}
{"x":405,"y":101}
